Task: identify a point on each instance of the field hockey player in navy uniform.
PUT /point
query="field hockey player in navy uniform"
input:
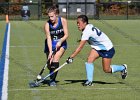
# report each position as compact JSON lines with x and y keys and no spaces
{"x":56,"y":31}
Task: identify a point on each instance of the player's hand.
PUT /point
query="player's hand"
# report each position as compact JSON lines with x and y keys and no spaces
{"x":58,"y":44}
{"x":50,"y":55}
{"x":69,"y":60}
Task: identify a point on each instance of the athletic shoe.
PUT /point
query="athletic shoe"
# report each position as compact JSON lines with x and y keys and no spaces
{"x":52,"y":83}
{"x":124,"y":72}
{"x":88,"y":83}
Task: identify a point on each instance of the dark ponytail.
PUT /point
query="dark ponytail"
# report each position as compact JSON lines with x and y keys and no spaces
{"x":84,"y":18}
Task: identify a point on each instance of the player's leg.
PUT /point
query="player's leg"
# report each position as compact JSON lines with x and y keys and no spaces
{"x":120,"y":68}
{"x":108,"y":68}
{"x":55,"y":65}
{"x":93,"y":55}
{"x":106,"y":62}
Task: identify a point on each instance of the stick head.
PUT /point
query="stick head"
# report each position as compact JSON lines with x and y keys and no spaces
{"x":33,"y":84}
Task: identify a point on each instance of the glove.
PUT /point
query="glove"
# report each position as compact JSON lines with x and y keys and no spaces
{"x":69,"y":60}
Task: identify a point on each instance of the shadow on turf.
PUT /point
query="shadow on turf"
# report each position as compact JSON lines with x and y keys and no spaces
{"x":46,"y":82}
{"x":95,"y":82}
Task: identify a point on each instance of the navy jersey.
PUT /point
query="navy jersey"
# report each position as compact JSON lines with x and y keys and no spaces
{"x":56,"y":34}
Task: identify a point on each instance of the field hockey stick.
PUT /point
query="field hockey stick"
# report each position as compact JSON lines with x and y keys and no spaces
{"x":38,"y":83}
{"x":48,"y":62}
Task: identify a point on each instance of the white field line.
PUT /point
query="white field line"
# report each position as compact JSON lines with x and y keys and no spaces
{"x":59,"y":88}
{"x":6,"y":69}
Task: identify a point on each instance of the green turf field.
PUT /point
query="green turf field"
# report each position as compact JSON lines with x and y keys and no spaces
{"x":27,"y":59}
{"x":2,"y":31}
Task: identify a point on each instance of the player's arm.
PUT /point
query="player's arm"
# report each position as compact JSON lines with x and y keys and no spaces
{"x":78,"y":49}
{"x":48,"y":37}
{"x":83,"y":41}
{"x":65,"y":28}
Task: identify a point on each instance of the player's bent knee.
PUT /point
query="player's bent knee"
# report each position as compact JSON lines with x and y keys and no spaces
{"x":54,"y":65}
{"x":107,"y":70}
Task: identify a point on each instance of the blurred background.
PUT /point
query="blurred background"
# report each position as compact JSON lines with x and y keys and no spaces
{"x":94,"y":9}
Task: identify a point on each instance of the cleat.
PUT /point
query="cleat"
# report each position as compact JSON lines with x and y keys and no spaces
{"x":88,"y":83}
{"x":124,"y":72}
{"x":52,"y":83}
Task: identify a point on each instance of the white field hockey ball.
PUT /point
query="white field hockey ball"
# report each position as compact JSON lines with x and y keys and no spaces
{"x":38,"y":77}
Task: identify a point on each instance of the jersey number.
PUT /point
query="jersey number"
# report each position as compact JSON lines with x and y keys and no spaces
{"x":55,"y":37}
{"x":97,"y":31}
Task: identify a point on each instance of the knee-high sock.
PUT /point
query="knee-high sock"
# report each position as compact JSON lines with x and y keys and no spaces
{"x":54,"y":66}
{"x":89,"y":71}
{"x":117,"y":68}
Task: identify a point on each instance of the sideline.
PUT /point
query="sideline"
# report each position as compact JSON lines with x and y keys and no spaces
{"x":4,"y":63}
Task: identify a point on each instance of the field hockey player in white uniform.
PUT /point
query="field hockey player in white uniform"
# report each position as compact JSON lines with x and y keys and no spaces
{"x":101,"y":46}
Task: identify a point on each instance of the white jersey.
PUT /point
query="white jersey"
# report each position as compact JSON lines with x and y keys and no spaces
{"x":97,"y":39}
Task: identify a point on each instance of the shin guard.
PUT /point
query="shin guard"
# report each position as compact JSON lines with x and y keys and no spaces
{"x":54,"y":66}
